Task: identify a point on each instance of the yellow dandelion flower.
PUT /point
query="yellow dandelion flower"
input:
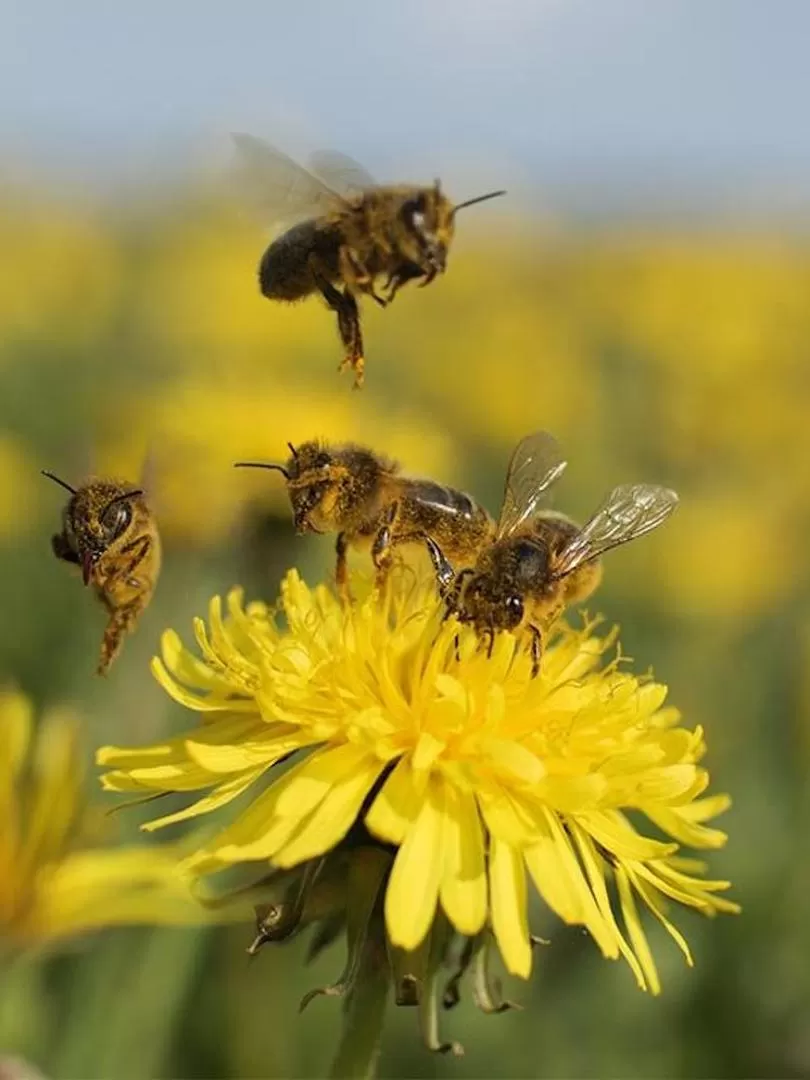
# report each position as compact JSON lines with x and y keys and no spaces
{"x":52,"y":887}
{"x":474,"y":778}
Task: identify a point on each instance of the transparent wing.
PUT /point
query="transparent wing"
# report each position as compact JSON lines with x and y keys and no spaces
{"x":628,"y":512}
{"x":535,"y":467}
{"x":276,"y":186}
{"x":341,"y":173}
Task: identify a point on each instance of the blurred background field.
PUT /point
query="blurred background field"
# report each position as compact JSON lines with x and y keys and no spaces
{"x":658,"y":341}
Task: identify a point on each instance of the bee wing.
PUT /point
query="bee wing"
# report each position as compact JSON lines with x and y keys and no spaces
{"x":149,"y":478}
{"x":535,"y":467}
{"x":342,"y":173}
{"x":278,"y":187}
{"x":629,"y":511}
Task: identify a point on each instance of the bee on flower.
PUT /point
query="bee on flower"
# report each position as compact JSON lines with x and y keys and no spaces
{"x":420,"y":788}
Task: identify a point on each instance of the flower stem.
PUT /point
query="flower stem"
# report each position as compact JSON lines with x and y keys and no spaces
{"x":363,"y":1017}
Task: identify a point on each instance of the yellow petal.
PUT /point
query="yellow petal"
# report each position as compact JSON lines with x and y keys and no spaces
{"x":257,"y":832}
{"x":55,"y":791}
{"x":198,"y":702}
{"x":559,"y":879}
{"x":320,"y":772}
{"x":16,"y":726}
{"x":167,"y":766}
{"x":678,"y":825}
{"x":594,"y":869}
{"x":187,"y":668}
{"x":413,"y":889}
{"x":507,"y":884}
{"x":513,"y":760}
{"x":330,"y":822}
{"x":506,"y":817}
{"x":638,"y":938}
{"x":396,"y":807}
{"x":220,"y":796}
{"x":615,"y":833}
{"x":654,"y":901}
{"x":426,"y":751}
{"x":463,"y":889}
{"x":264,"y":748}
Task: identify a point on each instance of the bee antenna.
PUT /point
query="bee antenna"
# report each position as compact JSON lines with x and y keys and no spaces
{"x":262,"y":465}
{"x":56,"y":480}
{"x":477,"y":199}
{"x":293,"y":451}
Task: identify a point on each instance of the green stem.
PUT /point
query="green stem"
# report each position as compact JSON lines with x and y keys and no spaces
{"x":363,"y":1017}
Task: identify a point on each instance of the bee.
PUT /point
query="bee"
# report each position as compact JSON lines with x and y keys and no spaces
{"x":361,"y":495}
{"x":355,"y":233}
{"x":539,"y":561}
{"x":109,"y":531}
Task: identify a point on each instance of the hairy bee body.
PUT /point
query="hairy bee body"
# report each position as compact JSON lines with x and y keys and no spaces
{"x":538,"y":561}
{"x":359,"y":494}
{"x":355,"y":246}
{"x":109,"y":532}
{"x":524,"y":565}
{"x":353,"y":237}
{"x":286,"y":268}
{"x":370,"y":242}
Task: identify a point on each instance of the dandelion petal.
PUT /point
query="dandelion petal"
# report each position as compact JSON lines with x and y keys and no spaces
{"x":413,"y":890}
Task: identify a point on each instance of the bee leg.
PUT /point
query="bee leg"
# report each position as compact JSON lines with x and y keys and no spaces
{"x":536,"y":648}
{"x":401,"y":276}
{"x":138,"y":550}
{"x":353,"y":338}
{"x":381,"y":549}
{"x":348,"y":317}
{"x":342,"y":569}
{"x":429,"y":276}
{"x":491,"y":645}
{"x":353,"y":270}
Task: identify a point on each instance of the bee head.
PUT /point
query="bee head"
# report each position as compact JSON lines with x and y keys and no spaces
{"x":428,"y":217}
{"x":329,"y":486}
{"x":491,"y":602}
{"x":97,"y":514}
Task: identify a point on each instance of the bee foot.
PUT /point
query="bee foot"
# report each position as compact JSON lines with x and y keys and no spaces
{"x":359,"y":366}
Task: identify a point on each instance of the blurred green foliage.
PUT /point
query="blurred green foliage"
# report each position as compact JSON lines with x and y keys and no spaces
{"x":670,"y":356}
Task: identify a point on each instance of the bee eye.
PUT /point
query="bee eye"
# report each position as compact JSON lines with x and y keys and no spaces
{"x":116,"y":518}
{"x":514,"y":605}
{"x":414,"y":213}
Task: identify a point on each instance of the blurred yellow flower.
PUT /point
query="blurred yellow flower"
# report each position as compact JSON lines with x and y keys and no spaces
{"x":51,"y":886}
{"x":19,"y":488}
{"x":475,"y":773}
{"x":59,"y":275}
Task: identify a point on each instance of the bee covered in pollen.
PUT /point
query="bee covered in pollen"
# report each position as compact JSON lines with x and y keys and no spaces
{"x":351,"y":237}
{"x":109,"y":532}
{"x":360,"y":495}
{"x":539,"y":562}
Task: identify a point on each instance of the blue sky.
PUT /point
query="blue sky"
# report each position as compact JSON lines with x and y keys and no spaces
{"x":642,"y":93}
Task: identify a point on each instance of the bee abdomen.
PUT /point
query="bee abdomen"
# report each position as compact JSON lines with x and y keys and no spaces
{"x":285,"y":270}
{"x":444,"y":499}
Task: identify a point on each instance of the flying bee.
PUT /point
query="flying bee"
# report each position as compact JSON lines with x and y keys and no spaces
{"x":539,"y":561}
{"x":109,"y":531}
{"x":350,"y":490}
{"x":356,"y":237}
